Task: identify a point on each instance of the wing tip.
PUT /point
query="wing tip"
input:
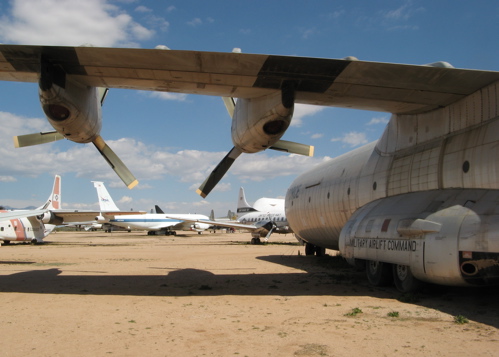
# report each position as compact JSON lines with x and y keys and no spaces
{"x":133,"y":184}
{"x":311,"y":151}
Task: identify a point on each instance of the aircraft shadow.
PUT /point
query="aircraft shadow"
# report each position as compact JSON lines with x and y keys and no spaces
{"x":478,"y":304}
{"x":327,"y":276}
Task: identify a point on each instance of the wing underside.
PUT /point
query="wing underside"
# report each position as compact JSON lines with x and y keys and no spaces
{"x":395,"y":88}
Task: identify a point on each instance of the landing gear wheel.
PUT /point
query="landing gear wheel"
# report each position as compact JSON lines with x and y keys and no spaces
{"x":319,"y":251}
{"x":255,"y":241}
{"x":404,"y":280}
{"x":378,"y":273}
{"x":309,"y":249}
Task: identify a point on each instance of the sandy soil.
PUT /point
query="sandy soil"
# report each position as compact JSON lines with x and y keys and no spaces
{"x":129,"y":294}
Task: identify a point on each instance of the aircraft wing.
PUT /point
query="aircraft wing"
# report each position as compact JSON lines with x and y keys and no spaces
{"x":221,"y":224}
{"x":7,"y":215}
{"x":76,"y":216}
{"x":394,"y":88}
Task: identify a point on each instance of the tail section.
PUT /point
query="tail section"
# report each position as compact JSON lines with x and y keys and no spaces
{"x":54,"y":200}
{"x":243,"y":206}
{"x":106,"y":203}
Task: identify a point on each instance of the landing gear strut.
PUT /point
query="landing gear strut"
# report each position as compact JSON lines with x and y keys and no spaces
{"x":311,"y":249}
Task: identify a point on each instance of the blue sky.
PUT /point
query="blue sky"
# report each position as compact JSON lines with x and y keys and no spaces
{"x":171,"y":142}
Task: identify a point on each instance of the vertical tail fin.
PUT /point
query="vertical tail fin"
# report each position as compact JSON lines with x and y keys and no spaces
{"x":243,"y":206}
{"x":54,"y":200}
{"x":106,"y":203}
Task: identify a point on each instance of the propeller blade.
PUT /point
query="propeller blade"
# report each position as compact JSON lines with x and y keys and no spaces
{"x":293,"y":148}
{"x":219,"y":172}
{"x":115,"y":162}
{"x":270,"y":232}
{"x":37,"y":139}
{"x":230,"y":104}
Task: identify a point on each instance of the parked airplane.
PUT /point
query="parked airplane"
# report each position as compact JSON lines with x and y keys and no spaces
{"x":265,"y":217}
{"x":420,"y":202}
{"x":154,"y":223}
{"x":28,"y":225}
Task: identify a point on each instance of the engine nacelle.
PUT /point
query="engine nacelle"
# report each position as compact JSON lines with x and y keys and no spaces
{"x":258,"y":123}
{"x":73,"y":109}
{"x":50,"y":218}
{"x":101,"y":219}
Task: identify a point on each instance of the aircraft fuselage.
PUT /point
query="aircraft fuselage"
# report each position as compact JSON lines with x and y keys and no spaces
{"x":22,"y":229}
{"x":425,"y":196}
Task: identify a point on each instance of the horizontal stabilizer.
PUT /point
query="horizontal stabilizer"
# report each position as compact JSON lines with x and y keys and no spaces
{"x":37,"y":139}
{"x":219,"y":172}
{"x":115,"y":162}
{"x":293,"y":148}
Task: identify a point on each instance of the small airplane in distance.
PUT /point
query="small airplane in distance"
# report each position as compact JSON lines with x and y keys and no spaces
{"x":154,"y":223}
{"x":28,"y":225}
{"x":266,"y":216}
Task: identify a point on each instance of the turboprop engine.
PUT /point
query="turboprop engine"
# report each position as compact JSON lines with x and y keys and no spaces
{"x":74,"y":111}
{"x":257,"y":124}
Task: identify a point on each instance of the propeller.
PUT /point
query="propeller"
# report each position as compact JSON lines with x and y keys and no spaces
{"x":115,"y":162}
{"x":219,"y":172}
{"x":37,"y":138}
{"x":270,"y":232}
{"x":221,"y":169}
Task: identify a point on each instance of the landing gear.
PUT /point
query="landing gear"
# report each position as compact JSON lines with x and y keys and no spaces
{"x":404,"y":280}
{"x":379,"y":273}
{"x":256,"y":241}
{"x":311,"y":249}
{"x":170,"y":233}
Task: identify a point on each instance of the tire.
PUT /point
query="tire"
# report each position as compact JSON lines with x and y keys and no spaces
{"x":309,"y":249}
{"x":379,"y":273}
{"x":319,"y":251}
{"x":403,"y":279}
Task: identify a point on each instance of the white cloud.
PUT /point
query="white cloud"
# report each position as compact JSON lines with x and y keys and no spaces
{"x":142,"y":8}
{"x":378,"y":120}
{"x":167,"y":95}
{"x":352,"y":139}
{"x":74,"y":23}
{"x":195,"y":22}
{"x":303,"y":110}
{"x":7,"y":179}
{"x":317,"y":136}
{"x":125,"y":199}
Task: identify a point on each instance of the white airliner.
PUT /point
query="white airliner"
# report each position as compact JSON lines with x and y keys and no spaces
{"x":154,"y":223}
{"x":418,"y":205}
{"x":28,"y":225}
{"x":265,"y":217}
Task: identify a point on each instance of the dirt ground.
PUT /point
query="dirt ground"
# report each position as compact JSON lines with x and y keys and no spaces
{"x":129,"y":294}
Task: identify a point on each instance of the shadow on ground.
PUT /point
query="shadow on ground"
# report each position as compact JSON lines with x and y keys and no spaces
{"x":327,"y":276}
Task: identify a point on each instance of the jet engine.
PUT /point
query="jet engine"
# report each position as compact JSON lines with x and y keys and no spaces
{"x":100,"y":219}
{"x":50,"y":218}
